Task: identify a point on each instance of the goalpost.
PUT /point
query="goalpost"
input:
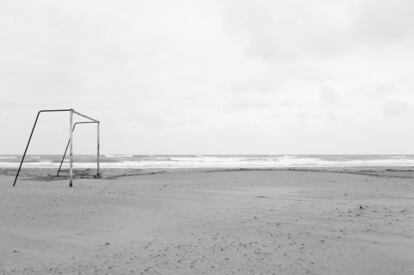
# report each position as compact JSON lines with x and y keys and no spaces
{"x":70,"y":141}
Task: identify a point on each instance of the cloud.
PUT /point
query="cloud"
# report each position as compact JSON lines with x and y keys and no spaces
{"x":246,"y":102}
{"x":285,"y":30}
{"x":328,"y":95}
{"x":395,"y":108}
{"x":165,"y":74}
{"x":383,"y":21}
{"x":388,"y":88}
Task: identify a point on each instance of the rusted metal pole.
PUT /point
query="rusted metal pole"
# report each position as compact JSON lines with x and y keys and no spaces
{"x":98,"y":174}
{"x":71,"y":148}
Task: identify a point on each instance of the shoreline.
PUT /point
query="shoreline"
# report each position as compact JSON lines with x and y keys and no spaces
{"x":49,"y":174}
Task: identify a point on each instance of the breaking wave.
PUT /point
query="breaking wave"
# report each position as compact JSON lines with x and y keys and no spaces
{"x":212,"y":161}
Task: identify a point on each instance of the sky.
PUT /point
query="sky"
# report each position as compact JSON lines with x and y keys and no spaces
{"x":209,"y":77}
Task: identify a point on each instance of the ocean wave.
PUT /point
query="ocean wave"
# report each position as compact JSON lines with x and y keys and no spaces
{"x":211,"y":162}
{"x":118,"y":156}
{"x":8,"y":157}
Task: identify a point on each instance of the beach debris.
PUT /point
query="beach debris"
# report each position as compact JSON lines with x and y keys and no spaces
{"x":150,"y":243}
{"x":107,"y":243}
{"x":359,"y":211}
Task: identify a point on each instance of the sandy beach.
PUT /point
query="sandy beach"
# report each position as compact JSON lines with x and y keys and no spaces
{"x":216,"y":222}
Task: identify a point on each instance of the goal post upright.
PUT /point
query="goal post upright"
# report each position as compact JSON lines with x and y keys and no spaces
{"x":71,"y":148}
{"x":98,"y":174}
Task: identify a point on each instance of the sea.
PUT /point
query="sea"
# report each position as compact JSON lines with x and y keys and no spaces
{"x":124,"y":161}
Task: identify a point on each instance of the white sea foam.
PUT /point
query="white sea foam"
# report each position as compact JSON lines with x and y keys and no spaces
{"x":118,"y":156}
{"x":220,"y":162}
{"x":8,"y":157}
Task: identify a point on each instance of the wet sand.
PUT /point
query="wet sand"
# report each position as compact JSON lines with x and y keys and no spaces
{"x":335,"y":221}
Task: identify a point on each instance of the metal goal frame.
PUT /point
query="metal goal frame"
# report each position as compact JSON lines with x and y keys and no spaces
{"x":70,"y":141}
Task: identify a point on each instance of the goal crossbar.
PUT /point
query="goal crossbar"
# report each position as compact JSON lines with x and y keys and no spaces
{"x":70,"y":142}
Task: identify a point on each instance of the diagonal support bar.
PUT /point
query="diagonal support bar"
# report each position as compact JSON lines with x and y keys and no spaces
{"x":85,"y":116}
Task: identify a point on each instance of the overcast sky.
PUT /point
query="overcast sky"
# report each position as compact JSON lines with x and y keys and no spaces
{"x":214,"y":77}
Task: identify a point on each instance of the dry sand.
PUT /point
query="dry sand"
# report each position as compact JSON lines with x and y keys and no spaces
{"x":228,"y":222}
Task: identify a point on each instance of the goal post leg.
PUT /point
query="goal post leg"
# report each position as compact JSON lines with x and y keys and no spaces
{"x":98,"y":174}
{"x":27,"y":146}
{"x":71,"y":148}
